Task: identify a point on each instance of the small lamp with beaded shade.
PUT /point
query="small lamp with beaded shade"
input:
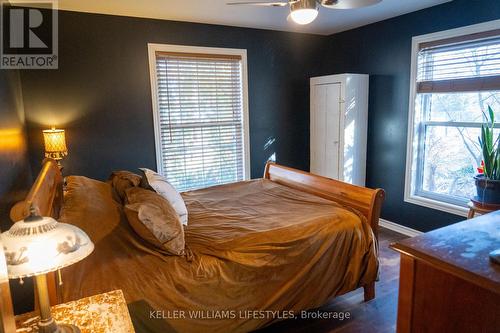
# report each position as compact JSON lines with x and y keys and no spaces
{"x":55,"y":144}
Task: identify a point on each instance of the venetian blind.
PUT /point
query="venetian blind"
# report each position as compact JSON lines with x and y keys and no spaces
{"x":201,"y":119}
{"x":467,"y":65}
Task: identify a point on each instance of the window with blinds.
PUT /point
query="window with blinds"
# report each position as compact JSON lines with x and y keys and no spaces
{"x":456,"y":79}
{"x":200,"y":119}
{"x":470,"y":65}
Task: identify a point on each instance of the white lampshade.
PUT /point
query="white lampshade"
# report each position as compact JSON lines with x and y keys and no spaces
{"x":304,"y":11}
{"x":4,"y":277}
{"x":38,"y":245}
{"x":304,"y":16}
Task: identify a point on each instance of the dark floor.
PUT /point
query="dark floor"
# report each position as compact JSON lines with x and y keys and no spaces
{"x":377,"y":315}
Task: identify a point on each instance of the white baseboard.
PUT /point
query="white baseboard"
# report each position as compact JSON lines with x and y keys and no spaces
{"x":399,"y":228}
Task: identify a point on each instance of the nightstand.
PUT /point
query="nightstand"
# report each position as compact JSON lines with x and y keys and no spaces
{"x":103,"y":313}
{"x":477,"y":207}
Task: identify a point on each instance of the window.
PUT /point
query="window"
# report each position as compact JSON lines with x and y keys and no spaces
{"x":200,"y":114}
{"x":455,"y":76}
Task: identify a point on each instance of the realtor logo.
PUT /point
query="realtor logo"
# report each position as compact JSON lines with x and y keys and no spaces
{"x":28,"y":39}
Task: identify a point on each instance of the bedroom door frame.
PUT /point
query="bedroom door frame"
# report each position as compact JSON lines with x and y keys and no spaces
{"x":327,"y":107}
{"x":153,"y":48}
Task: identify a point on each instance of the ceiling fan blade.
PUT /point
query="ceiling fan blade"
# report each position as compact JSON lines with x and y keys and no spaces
{"x":348,"y":4}
{"x":260,"y":3}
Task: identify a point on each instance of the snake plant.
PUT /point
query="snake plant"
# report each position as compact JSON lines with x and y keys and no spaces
{"x":490,"y":147}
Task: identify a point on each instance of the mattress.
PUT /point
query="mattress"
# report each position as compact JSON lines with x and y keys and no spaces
{"x":257,"y":252}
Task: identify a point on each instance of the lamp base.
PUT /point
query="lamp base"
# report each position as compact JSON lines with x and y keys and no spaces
{"x":67,"y":328}
{"x":59,"y":328}
{"x":47,"y":324}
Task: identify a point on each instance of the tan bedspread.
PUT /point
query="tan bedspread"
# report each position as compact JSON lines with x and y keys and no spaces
{"x":255,"y":245}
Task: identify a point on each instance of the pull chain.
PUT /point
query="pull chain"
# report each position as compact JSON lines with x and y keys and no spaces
{"x":59,"y":275}
{"x":21,"y":281}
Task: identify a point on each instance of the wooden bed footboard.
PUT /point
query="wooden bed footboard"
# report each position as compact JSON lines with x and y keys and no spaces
{"x":365,"y":200}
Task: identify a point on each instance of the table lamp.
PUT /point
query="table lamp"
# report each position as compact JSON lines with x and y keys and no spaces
{"x":55,"y":144}
{"x":38,"y":245}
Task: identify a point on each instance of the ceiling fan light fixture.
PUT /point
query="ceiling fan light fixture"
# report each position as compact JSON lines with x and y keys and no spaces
{"x":304,"y":11}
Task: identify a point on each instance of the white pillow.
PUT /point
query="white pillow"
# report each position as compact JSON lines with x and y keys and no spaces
{"x":161,"y":186}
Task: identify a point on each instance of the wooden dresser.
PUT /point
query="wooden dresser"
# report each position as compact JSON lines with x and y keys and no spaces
{"x":447,"y":282}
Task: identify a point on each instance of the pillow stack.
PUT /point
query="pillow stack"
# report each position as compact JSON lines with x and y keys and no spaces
{"x":160,"y":185}
{"x":155,"y":220}
{"x":154,"y":208}
{"x":121,"y":181}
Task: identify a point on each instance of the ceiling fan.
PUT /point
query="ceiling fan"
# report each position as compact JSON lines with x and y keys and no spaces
{"x":305,"y":11}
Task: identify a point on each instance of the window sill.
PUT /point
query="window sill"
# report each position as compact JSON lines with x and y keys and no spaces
{"x":438,"y":205}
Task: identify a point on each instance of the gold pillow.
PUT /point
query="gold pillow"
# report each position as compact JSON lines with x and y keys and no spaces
{"x":154,"y":220}
{"x":121,"y":181}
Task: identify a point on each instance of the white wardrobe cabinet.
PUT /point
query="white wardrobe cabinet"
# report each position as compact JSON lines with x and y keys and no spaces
{"x":339,"y":122}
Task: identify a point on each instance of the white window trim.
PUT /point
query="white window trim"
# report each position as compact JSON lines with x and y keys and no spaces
{"x":416,"y":40}
{"x":153,"y":48}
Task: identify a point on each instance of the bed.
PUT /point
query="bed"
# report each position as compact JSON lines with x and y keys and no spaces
{"x":258,"y":251}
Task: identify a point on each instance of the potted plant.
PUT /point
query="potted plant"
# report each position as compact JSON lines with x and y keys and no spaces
{"x":488,"y":181}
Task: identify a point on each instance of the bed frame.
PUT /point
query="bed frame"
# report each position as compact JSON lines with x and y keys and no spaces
{"x":46,"y":195}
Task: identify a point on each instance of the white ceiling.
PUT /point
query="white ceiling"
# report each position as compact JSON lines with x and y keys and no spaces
{"x":275,"y":18}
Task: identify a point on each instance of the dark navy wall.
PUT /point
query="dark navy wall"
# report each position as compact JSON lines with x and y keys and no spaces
{"x":14,"y":168}
{"x":15,"y":174}
{"x":101,"y":92}
{"x":383,"y":50}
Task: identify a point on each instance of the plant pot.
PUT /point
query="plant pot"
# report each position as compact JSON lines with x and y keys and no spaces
{"x":488,"y":191}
